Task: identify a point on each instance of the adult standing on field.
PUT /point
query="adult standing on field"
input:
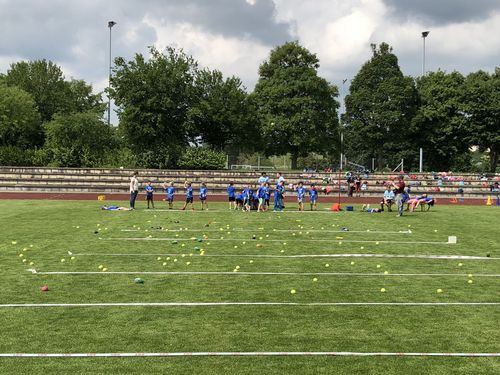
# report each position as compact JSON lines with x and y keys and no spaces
{"x":399,"y":190}
{"x":134,"y":190}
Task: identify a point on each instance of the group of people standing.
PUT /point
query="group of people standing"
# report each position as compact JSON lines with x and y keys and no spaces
{"x":246,"y":200}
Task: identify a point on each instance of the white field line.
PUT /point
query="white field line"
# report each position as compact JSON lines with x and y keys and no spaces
{"x":276,"y":240}
{"x":239,"y":304}
{"x":274,"y":230}
{"x":444,"y":257}
{"x":239,"y":273}
{"x":244,"y":354}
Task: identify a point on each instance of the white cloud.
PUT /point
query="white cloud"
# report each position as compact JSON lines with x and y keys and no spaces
{"x":233,"y":56}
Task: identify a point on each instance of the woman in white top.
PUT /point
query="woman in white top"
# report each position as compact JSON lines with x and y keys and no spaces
{"x":134,"y":190}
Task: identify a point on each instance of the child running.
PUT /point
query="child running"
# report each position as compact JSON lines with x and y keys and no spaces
{"x":189,"y":195}
{"x":170,"y":192}
{"x":203,"y":196}
{"x":301,"y":191}
{"x":231,"y":196}
{"x":149,"y":194}
{"x":313,"y":197}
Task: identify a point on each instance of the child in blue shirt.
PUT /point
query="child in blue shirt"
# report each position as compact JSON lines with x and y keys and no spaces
{"x":239,"y":201}
{"x":301,"y":191}
{"x":203,"y":196}
{"x":247,"y":196}
{"x":149,"y":194}
{"x":170,"y":192}
{"x":278,"y":196}
{"x":231,"y":190}
{"x":261,"y":193}
{"x":267,"y":196}
{"x":189,"y":195}
{"x":313,"y":197}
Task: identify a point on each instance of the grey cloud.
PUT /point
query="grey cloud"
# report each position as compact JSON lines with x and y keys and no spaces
{"x":443,"y":11}
{"x":236,"y":18}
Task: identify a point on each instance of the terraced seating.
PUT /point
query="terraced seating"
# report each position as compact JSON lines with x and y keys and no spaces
{"x":94,"y":180}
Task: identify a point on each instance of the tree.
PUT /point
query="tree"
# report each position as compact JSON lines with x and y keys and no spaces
{"x":83,"y":99}
{"x":20,"y":124}
{"x":482,"y":108}
{"x":379,"y":109}
{"x":297,"y":108}
{"x":154,"y":97}
{"x":44,"y":80}
{"x":78,"y":140}
{"x":439,"y":125}
{"x":222,"y":115}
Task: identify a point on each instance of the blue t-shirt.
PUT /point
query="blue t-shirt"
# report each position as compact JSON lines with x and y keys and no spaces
{"x":267,"y":193}
{"x":240,"y":196}
{"x":313,"y":194}
{"x":247,"y":193}
{"x":170,"y":192}
{"x":149,"y":190}
{"x":203,"y":192}
{"x":261,"y":192}
{"x":189,"y":192}
{"x":230,"y":191}
{"x":278,"y":192}
{"x":301,"y":191}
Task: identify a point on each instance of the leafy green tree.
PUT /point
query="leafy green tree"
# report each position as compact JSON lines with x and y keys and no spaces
{"x":20,"y":124}
{"x":482,"y":106}
{"x":379,"y":109}
{"x":223,"y":114}
{"x":78,"y":140}
{"x":45,"y":82}
{"x":52,"y":94}
{"x":154,"y":97}
{"x":83,"y":99}
{"x":439,"y":125}
{"x":297,"y":108}
{"x":202,"y":158}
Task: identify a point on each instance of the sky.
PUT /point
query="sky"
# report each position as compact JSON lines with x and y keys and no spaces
{"x":236,"y":36}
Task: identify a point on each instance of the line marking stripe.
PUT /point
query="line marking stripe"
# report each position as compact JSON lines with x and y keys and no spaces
{"x":275,"y":240}
{"x":448,"y":257}
{"x":243,"y":354}
{"x":370,"y":231}
{"x":215,"y":273}
{"x":210,"y":304}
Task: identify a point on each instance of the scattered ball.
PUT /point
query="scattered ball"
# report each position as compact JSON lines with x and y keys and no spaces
{"x":315,"y":279}
{"x":164,"y":264}
{"x":378,"y":266}
{"x":251,"y":261}
{"x":460,"y":264}
{"x":382,"y":290}
{"x":470,"y":281}
{"x":104,"y":269}
{"x":100,"y":267}
{"x":352,"y":263}
{"x":293,"y":291}
{"x":63,"y":260}
{"x":439,"y":290}
{"x":327,"y":265}
{"x":138,"y":280}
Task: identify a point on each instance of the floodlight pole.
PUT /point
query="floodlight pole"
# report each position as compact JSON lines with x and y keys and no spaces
{"x":424,"y":35}
{"x":110,"y":26}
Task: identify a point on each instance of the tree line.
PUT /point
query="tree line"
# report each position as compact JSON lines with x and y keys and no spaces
{"x":175,"y":114}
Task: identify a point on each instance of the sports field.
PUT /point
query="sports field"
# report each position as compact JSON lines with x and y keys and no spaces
{"x":329,"y":292}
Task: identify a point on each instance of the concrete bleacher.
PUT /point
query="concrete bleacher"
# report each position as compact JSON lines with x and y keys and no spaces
{"x":107,"y":181}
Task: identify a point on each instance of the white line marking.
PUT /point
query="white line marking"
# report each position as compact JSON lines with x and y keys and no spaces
{"x":244,"y":354}
{"x":215,"y":304}
{"x":276,"y":240}
{"x":215,"y":273}
{"x":274,"y":230}
{"x":445,"y":257}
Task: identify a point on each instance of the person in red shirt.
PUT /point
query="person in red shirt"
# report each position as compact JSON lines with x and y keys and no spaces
{"x":399,"y":189}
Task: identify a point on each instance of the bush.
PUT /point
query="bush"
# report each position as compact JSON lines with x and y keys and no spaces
{"x":202,"y":158}
{"x":16,"y":156}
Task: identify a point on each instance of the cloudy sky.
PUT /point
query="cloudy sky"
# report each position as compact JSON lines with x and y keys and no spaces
{"x":235,"y":36}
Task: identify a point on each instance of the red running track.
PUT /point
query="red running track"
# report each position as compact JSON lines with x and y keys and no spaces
{"x":216,"y":198}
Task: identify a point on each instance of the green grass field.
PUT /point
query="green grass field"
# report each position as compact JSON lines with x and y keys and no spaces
{"x":42,"y":233}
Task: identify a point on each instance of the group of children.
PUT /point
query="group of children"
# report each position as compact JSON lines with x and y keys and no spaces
{"x":259,"y":200}
{"x":245,"y":200}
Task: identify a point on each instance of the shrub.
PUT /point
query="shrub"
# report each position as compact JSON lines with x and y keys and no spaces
{"x":202,"y":158}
